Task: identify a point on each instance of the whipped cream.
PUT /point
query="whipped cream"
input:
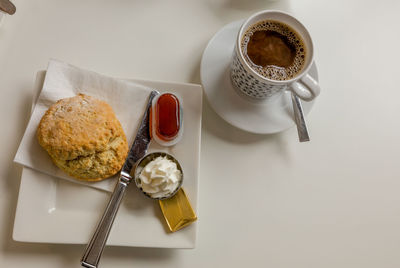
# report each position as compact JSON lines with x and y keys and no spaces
{"x":160,"y":177}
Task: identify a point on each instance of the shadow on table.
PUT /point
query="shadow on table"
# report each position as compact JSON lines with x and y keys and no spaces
{"x":232,"y":10}
{"x":65,"y":255}
{"x":215,"y":125}
{"x":257,"y":4}
{"x":69,"y":255}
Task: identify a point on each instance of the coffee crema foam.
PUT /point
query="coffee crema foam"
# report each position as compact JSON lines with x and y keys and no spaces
{"x":289,"y":41}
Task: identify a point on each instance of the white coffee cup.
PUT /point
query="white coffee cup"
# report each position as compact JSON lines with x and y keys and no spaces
{"x":256,"y":86}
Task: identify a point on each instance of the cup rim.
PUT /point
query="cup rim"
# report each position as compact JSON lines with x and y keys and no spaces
{"x":259,"y":76}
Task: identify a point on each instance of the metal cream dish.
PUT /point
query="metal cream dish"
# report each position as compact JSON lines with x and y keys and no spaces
{"x":159,"y":175}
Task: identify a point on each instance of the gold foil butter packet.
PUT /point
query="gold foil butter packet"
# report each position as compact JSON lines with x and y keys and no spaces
{"x":177,"y":211}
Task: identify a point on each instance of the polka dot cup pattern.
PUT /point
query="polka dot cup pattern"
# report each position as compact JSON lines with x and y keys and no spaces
{"x":247,"y":83}
{"x":252,"y":84}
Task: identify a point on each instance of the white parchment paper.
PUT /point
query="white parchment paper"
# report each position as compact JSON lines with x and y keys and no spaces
{"x":62,"y":81}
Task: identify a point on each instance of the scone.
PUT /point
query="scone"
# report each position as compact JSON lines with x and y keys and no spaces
{"x":83,"y":137}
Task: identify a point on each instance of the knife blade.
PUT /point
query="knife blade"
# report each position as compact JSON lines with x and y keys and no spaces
{"x":141,"y":142}
{"x":95,"y":247}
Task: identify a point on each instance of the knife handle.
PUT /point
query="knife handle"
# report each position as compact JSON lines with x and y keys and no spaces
{"x":94,"y":249}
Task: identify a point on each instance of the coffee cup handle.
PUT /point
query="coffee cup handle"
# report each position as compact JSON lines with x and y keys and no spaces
{"x":306,"y":88}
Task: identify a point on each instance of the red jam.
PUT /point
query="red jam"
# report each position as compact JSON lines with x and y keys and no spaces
{"x":167,"y":117}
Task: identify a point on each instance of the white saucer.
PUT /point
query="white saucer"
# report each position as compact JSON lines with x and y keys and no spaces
{"x":263,"y":117}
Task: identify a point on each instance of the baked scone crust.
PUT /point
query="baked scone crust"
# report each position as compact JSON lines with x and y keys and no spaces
{"x":83,"y":137}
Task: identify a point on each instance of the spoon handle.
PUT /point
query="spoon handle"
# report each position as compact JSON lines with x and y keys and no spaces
{"x":299,"y":118}
{"x":94,"y":249}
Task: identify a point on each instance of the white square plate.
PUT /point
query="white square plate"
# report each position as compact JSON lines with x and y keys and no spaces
{"x":52,"y":210}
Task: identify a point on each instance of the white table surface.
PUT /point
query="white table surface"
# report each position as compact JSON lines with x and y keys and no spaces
{"x":265,"y":201}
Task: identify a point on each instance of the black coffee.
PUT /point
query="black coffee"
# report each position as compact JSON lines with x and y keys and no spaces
{"x":274,"y":50}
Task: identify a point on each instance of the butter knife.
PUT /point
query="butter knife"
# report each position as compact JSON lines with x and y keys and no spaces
{"x":95,"y":247}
